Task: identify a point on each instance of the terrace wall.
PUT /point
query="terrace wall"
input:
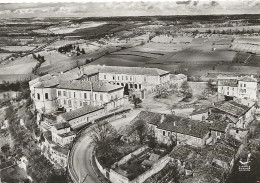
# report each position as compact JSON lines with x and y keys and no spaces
{"x":129,"y":156}
{"x":157,"y":166}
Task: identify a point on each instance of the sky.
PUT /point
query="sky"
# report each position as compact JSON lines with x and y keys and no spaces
{"x":9,"y":9}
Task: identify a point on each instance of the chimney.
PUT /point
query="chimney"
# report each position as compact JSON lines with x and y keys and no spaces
{"x":174,"y":123}
{"x":162,"y":118}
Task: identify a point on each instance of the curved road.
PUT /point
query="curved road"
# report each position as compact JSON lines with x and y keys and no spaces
{"x":82,"y":152}
{"x":81,"y":159}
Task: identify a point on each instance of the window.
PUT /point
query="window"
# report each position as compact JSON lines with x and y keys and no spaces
{"x":227,"y":93}
{"x":101,"y":97}
{"x":105,"y":77}
{"x":228,"y":88}
{"x":74,"y":94}
{"x":144,"y":79}
{"x":95,"y":96}
{"x":244,"y":85}
{"x":113,"y":77}
{"x":163,"y":133}
{"x":46,"y":96}
{"x":126,"y":78}
{"x":122,"y":77}
{"x":85,"y":95}
{"x":64,"y":93}
{"x":38,"y":96}
{"x":80,"y":103}
{"x":59,"y":93}
{"x":130,"y":78}
{"x":69,"y":94}
{"x":169,"y":134}
{"x":69,"y":101}
{"x":118,"y":77}
{"x":65,"y":102}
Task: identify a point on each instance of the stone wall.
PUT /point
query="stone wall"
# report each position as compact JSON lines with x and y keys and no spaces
{"x":157,"y":166}
{"x":129,"y":156}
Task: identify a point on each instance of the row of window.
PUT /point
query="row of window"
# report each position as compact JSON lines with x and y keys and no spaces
{"x":85,"y":95}
{"x":46,"y":95}
{"x":122,"y":78}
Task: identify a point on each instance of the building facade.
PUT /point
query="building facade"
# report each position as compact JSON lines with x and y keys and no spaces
{"x":133,"y":78}
{"x":76,"y":94}
{"x":81,"y":116}
{"x":244,"y":87}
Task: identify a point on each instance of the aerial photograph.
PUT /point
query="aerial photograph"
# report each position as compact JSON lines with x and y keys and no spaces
{"x":130,"y":91}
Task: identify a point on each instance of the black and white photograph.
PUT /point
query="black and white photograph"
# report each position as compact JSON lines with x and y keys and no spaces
{"x":130,"y":91}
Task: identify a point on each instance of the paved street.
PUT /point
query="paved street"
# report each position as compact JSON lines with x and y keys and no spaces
{"x":81,"y":156}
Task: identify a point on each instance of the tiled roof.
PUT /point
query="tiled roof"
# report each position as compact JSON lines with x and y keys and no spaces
{"x":223,"y":152}
{"x":97,"y":86}
{"x":62,"y":150}
{"x":220,"y":125}
{"x":132,"y":70}
{"x":182,"y":152}
{"x":233,"y":108}
{"x":67,"y":134}
{"x":248,"y":79}
{"x":47,"y":136}
{"x":200,"y":111}
{"x":185,"y":126}
{"x":228,"y":82}
{"x":80,"y":112}
{"x":54,"y":81}
{"x":148,"y":117}
{"x":60,"y":126}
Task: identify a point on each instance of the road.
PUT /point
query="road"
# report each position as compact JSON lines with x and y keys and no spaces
{"x":83,"y":148}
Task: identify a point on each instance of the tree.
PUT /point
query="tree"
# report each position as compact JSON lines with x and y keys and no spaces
{"x":141,"y":128}
{"x":101,"y":132}
{"x":5,"y":148}
{"x":83,"y":51}
{"x":186,"y":90}
{"x":136,"y":101}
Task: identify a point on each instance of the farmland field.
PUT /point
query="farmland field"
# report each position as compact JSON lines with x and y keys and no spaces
{"x":17,"y":48}
{"x":240,"y":28}
{"x":69,"y":29}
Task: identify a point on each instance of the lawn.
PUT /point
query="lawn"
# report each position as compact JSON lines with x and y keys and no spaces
{"x":24,"y":68}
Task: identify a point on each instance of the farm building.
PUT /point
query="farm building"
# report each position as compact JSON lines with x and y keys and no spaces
{"x":244,"y":87}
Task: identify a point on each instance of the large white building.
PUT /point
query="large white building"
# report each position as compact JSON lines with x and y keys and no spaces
{"x":76,"y":94}
{"x":244,"y":87}
{"x":135,"y":78}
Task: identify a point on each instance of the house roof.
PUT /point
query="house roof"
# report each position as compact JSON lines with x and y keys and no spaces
{"x":149,"y":117}
{"x":223,"y":152}
{"x":248,"y":79}
{"x":54,"y":81}
{"x":233,"y":108}
{"x":184,"y":126}
{"x":132,"y":70}
{"x":80,"y":112}
{"x":97,"y":86}
{"x":62,"y":150}
{"x":71,"y":133}
{"x":228,"y":82}
{"x":154,"y":157}
{"x":180,"y":76}
{"x":220,"y":125}
{"x":182,"y":152}
{"x":200,"y":111}
{"x":60,"y":126}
